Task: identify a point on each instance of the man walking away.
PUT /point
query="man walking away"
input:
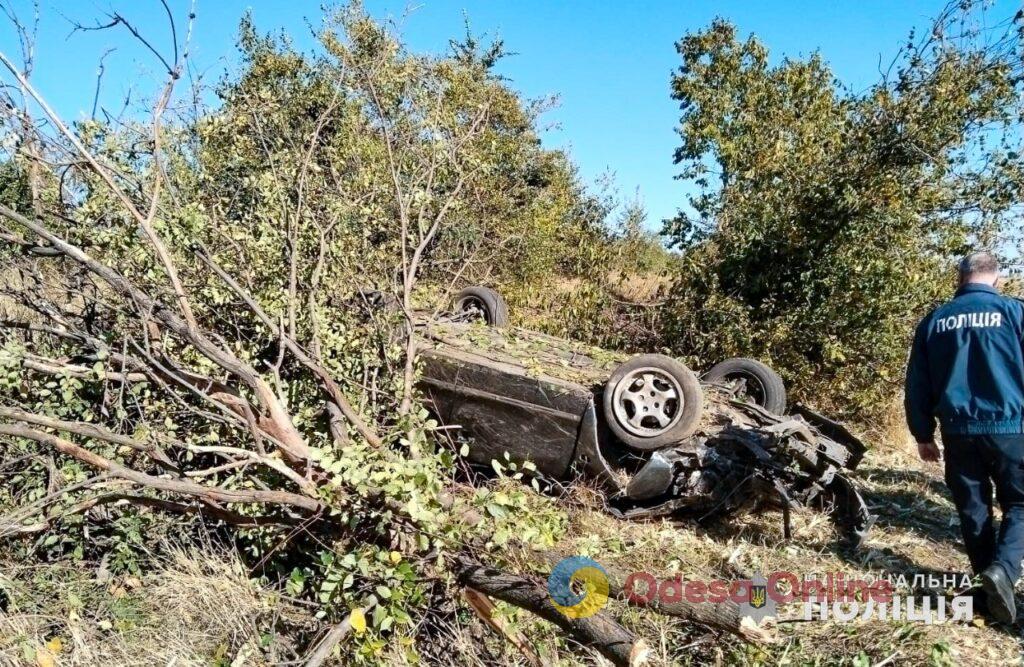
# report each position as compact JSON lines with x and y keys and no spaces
{"x":966,"y":369}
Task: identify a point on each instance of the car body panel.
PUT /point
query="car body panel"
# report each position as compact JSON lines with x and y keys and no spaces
{"x":518,"y":392}
{"x":506,"y":412}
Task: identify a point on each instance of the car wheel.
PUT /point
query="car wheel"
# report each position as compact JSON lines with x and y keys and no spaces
{"x":485,"y":303}
{"x":760,"y":384}
{"x":652,"y":401}
{"x":376,"y":300}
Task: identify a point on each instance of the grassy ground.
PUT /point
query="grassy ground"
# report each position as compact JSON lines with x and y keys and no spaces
{"x":199,"y":608}
{"x":916,"y":532}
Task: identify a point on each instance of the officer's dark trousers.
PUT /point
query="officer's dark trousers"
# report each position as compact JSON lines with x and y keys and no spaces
{"x":975,"y":464}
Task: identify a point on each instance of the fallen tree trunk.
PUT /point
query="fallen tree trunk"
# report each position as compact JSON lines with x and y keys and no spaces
{"x":719,"y":615}
{"x":599,"y":632}
{"x":716,"y":615}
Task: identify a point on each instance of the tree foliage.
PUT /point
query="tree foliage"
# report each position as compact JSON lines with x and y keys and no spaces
{"x":184,"y":323}
{"x":825,"y":219}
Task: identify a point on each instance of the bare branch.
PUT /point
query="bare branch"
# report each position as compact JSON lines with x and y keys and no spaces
{"x":87,"y":430}
{"x":181,"y":487}
{"x":100,"y":70}
{"x":332,"y":638}
{"x":63,"y":369}
{"x":144,"y":221}
{"x":328,"y":382}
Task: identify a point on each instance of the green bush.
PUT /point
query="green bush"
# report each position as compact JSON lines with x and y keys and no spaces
{"x":827,"y":219}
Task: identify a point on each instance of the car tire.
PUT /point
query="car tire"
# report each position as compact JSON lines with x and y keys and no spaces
{"x":376,"y":300}
{"x":485,"y":300}
{"x":652,"y":401}
{"x":764,"y":386}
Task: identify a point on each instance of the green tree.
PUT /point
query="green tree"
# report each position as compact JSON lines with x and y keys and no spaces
{"x":191,"y":289}
{"x":825,"y":219}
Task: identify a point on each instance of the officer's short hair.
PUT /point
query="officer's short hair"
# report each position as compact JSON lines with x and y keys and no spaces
{"x":978,"y":263}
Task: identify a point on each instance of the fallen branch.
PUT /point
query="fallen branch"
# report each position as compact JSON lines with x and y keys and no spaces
{"x":331,"y":639}
{"x":144,"y":220}
{"x":484,"y":608}
{"x":12,"y":523}
{"x":599,"y":632}
{"x":719,"y":615}
{"x":218,"y":513}
{"x":716,"y":615}
{"x":89,"y":431}
{"x":274,"y":464}
{"x":292,"y":443}
{"x":181,"y":487}
{"x":35,"y":327}
{"x":330,"y":386}
{"x":14,"y":529}
{"x":54,"y":367}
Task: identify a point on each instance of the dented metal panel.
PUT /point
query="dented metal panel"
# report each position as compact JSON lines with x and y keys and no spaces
{"x":504,"y":412}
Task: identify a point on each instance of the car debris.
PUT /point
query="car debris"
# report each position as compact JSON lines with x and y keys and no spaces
{"x":660,"y":441}
{"x":744,"y":457}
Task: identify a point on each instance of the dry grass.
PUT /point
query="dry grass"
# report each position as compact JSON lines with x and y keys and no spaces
{"x":916,"y":532}
{"x":197,"y":608}
{"x":200,"y":608}
{"x":637,"y":288}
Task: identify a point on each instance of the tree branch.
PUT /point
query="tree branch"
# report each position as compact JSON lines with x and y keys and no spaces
{"x":181,"y":487}
{"x":610,"y":639}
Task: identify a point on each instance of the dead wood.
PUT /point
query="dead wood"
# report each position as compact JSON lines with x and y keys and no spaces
{"x":718,"y":615}
{"x":599,"y":631}
{"x":332,"y":638}
{"x":328,"y":383}
{"x":484,"y":608}
{"x":714,"y":615}
{"x":90,"y":431}
{"x":209,"y":494}
{"x":293,"y":446}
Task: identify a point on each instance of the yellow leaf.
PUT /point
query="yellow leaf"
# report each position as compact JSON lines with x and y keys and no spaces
{"x":55,"y":645}
{"x":357,"y":620}
{"x":396,"y":557}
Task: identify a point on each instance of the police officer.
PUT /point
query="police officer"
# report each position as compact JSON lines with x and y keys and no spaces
{"x":966,"y":369}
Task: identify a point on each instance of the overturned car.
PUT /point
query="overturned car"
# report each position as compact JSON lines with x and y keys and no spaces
{"x":659,"y":440}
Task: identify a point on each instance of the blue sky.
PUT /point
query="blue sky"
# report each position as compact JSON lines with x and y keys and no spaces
{"x":609,"y":63}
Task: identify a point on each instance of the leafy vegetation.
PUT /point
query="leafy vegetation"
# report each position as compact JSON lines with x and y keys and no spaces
{"x":217,"y":334}
{"x":827,"y":219}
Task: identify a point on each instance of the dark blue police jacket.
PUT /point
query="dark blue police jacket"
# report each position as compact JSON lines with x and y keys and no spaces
{"x":967,"y":366}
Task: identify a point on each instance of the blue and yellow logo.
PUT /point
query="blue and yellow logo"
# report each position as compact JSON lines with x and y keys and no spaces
{"x":578,"y":587}
{"x":758,"y":596}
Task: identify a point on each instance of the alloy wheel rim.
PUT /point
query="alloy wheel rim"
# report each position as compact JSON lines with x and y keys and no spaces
{"x":647,"y":402}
